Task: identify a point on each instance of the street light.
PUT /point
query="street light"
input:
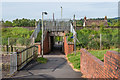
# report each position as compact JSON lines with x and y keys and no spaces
{"x":43,"y":30}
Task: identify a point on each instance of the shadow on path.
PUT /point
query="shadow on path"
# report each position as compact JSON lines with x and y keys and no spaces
{"x":56,"y":67}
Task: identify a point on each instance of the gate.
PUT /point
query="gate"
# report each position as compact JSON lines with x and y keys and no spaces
{"x":9,"y":64}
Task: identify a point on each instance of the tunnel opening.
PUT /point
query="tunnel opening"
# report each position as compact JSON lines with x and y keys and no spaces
{"x":57,"y":45}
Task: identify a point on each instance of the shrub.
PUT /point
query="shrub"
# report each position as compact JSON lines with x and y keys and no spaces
{"x":90,"y":39}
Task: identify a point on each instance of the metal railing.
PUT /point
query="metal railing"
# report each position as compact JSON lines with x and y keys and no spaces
{"x":26,"y":56}
{"x":35,"y":33}
{"x":57,"y":25}
{"x":17,"y":60}
{"x":9,"y":64}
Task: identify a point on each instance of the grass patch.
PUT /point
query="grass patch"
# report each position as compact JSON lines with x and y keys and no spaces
{"x":74,"y":59}
{"x":41,"y":60}
{"x":100,"y":53}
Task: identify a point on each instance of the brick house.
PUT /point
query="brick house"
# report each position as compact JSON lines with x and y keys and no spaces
{"x":95,"y":22}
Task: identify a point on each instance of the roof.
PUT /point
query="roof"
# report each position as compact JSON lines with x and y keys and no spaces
{"x":95,"y":22}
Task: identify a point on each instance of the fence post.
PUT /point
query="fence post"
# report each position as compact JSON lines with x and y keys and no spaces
{"x":7,"y":47}
{"x":8,"y":41}
{"x":100,"y":41}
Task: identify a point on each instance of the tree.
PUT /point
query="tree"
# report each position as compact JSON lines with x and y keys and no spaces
{"x":8,"y":23}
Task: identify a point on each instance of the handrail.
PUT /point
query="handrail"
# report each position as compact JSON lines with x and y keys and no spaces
{"x":26,"y":55}
{"x":35,"y":33}
{"x":26,"y":49}
{"x":73,"y":31}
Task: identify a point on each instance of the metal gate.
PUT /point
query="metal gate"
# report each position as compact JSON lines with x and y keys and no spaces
{"x":9,"y":64}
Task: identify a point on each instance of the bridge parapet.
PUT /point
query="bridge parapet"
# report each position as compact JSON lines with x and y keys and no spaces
{"x":57,"y":25}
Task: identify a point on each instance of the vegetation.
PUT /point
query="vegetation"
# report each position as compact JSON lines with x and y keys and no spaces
{"x":58,"y":38}
{"x":41,"y":60}
{"x":90,"y":39}
{"x":39,"y":37}
{"x":75,"y":59}
{"x":111,"y":21}
{"x":16,"y":33}
{"x":100,"y":53}
{"x":69,"y":37}
{"x":79,"y":22}
{"x":20,"y":23}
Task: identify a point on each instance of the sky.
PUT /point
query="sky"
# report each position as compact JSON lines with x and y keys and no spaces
{"x":33,"y":9}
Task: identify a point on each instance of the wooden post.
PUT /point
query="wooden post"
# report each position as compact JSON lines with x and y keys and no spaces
{"x":100,"y":41}
{"x":7,"y":49}
{"x":8,"y":42}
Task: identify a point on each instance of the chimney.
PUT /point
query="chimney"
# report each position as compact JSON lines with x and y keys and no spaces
{"x":85,"y":18}
{"x":105,"y":18}
{"x":84,"y":24}
{"x":74,"y":17}
{"x":53,"y":17}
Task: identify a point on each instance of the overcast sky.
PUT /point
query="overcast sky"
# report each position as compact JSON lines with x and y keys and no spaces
{"x":33,"y":10}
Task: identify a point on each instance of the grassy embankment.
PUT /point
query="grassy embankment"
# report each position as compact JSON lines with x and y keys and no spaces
{"x":75,"y":59}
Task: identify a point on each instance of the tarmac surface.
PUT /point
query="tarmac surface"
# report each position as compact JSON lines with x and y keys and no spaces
{"x":56,"y":67}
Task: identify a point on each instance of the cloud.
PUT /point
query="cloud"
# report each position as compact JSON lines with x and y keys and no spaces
{"x":13,"y":10}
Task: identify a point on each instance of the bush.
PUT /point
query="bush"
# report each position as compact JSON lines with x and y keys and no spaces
{"x":39,"y":37}
{"x":15,"y":35}
{"x":69,"y":37}
{"x":90,"y":39}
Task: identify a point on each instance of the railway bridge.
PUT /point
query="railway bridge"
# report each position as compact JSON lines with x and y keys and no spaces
{"x":53,"y":30}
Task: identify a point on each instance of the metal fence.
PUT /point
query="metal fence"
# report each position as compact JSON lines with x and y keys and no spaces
{"x":35,"y":33}
{"x":57,"y":25}
{"x":26,"y":56}
{"x":9,"y":64}
{"x":17,"y":60}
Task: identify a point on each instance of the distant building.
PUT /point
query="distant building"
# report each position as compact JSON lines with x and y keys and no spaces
{"x":95,"y":22}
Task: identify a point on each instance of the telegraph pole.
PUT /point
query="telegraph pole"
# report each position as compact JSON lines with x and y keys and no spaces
{"x":74,"y":34}
{"x":61,"y":12}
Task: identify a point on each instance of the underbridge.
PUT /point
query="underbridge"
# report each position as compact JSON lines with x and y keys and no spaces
{"x":54,"y":50}
{"x":53,"y":29}
{"x":26,"y":66}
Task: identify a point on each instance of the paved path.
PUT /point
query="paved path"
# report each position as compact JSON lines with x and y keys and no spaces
{"x":56,"y":67}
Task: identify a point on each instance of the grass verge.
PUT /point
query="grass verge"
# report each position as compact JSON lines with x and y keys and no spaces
{"x":100,"y":53}
{"x":41,"y":60}
{"x":75,"y":59}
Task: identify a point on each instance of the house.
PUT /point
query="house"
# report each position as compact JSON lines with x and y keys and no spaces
{"x":95,"y":22}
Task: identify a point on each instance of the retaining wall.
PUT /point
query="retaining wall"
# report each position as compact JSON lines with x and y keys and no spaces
{"x":68,"y":47}
{"x":92,"y":67}
{"x":45,"y":45}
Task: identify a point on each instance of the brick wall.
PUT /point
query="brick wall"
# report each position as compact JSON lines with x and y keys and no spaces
{"x":68,"y":47}
{"x":45,"y":45}
{"x":112,"y":64}
{"x":92,"y":67}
